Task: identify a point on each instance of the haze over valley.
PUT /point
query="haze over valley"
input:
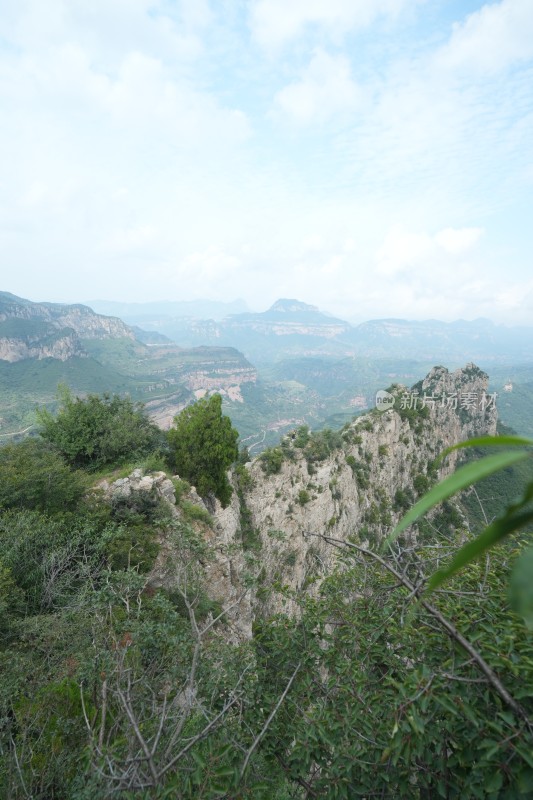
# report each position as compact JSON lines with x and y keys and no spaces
{"x":266,"y":399}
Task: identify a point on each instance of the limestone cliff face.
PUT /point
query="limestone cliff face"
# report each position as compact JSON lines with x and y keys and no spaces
{"x":226,"y":568}
{"x":362,"y":488}
{"x":359,"y":489}
{"x":59,"y":344}
{"x":51,"y":330}
{"x":89,"y":325}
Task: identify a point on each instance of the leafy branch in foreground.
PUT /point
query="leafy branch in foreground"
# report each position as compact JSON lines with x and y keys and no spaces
{"x":516,"y":516}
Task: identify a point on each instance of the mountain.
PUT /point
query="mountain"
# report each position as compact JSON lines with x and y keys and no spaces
{"x":354,"y":482}
{"x":287,"y":366}
{"x":43,"y":344}
{"x":479,"y":340}
{"x":138,"y":313}
{"x":291,"y":328}
{"x":51,"y":330}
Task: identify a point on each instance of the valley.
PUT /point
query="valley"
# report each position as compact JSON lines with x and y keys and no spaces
{"x":288,"y":366}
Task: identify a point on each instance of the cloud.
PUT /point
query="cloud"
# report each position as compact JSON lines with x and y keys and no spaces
{"x":277,"y":22}
{"x":325,"y":89}
{"x":407,"y":251}
{"x":402,"y":249}
{"x":132,"y":241}
{"x":458,"y":240}
{"x":493,"y":38}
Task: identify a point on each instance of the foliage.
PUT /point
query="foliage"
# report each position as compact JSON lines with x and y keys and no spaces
{"x":195,"y":513}
{"x":34,"y":475}
{"x":112,"y":687}
{"x":271,"y":460}
{"x":386,"y":704}
{"x":302,"y":436}
{"x":517,"y":515}
{"x":99,"y":430}
{"x":303,"y":497}
{"x":322,"y":443}
{"x":203,"y":446}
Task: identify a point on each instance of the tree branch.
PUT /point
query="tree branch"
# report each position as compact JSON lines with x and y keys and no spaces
{"x":450,"y":629}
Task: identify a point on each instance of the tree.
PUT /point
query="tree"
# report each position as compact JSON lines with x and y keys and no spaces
{"x":397,"y":697}
{"x":99,"y":430}
{"x":34,"y":475}
{"x":204,"y":445}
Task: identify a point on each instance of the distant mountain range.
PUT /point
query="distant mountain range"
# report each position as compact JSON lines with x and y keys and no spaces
{"x":43,"y":344}
{"x":293,"y":328}
{"x":277,"y":369}
{"x":137,"y":313}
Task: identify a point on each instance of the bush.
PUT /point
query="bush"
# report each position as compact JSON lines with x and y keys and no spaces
{"x":420,"y":484}
{"x":99,"y":430}
{"x":194,"y":512}
{"x":271,"y":460}
{"x":302,"y":436}
{"x":303,"y":497}
{"x":33,"y":475}
{"x":322,"y":443}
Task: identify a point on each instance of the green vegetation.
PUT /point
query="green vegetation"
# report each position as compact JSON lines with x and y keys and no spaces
{"x":97,"y":431}
{"x":35,"y":476}
{"x":271,"y":460}
{"x":116,"y":682}
{"x":303,"y":497}
{"x":203,"y":446}
{"x":403,"y":711}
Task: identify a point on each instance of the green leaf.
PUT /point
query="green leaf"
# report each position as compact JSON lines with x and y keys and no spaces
{"x":525,"y":753}
{"x":489,"y":441}
{"x":198,"y":759}
{"x":493,"y":783}
{"x":463,"y":477}
{"x":521,"y":587}
{"x":472,"y":550}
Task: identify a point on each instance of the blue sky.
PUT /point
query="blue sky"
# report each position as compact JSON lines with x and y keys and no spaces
{"x":373,"y":158}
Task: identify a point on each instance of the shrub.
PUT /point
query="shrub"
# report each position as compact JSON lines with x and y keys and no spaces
{"x":99,"y":430}
{"x":34,"y":475}
{"x":271,"y":460}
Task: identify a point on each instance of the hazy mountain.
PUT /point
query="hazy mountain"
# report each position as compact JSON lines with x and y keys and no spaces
{"x":51,"y":330}
{"x":300,"y":365}
{"x":43,"y":344}
{"x":137,"y":313}
{"x":479,"y":340}
{"x":291,"y":328}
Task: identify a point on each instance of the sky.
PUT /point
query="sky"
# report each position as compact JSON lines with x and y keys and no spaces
{"x":371,"y":158}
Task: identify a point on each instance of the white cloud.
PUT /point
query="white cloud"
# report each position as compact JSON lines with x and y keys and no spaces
{"x":324,"y":89}
{"x":131,"y":240}
{"x":404,"y":250}
{"x":458,"y":240}
{"x":276,"y":22}
{"x":492,"y":38}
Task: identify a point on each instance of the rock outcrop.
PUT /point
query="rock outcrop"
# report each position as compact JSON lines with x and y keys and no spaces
{"x":363,"y":487}
{"x":380,"y":463}
{"x":225,"y":568}
{"x":51,"y":330}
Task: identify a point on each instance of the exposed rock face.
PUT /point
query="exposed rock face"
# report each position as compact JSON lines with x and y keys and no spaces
{"x":51,"y":330}
{"x":60,"y":344}
{"x":220,"y":378}
{"x":224,"y":571}
{"x":355,"y":490}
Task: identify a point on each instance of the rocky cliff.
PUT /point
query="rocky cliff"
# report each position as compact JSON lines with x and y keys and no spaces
{"x":353,"y":483}
{"x":51,"y":330}
{"x":366,"y":482}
